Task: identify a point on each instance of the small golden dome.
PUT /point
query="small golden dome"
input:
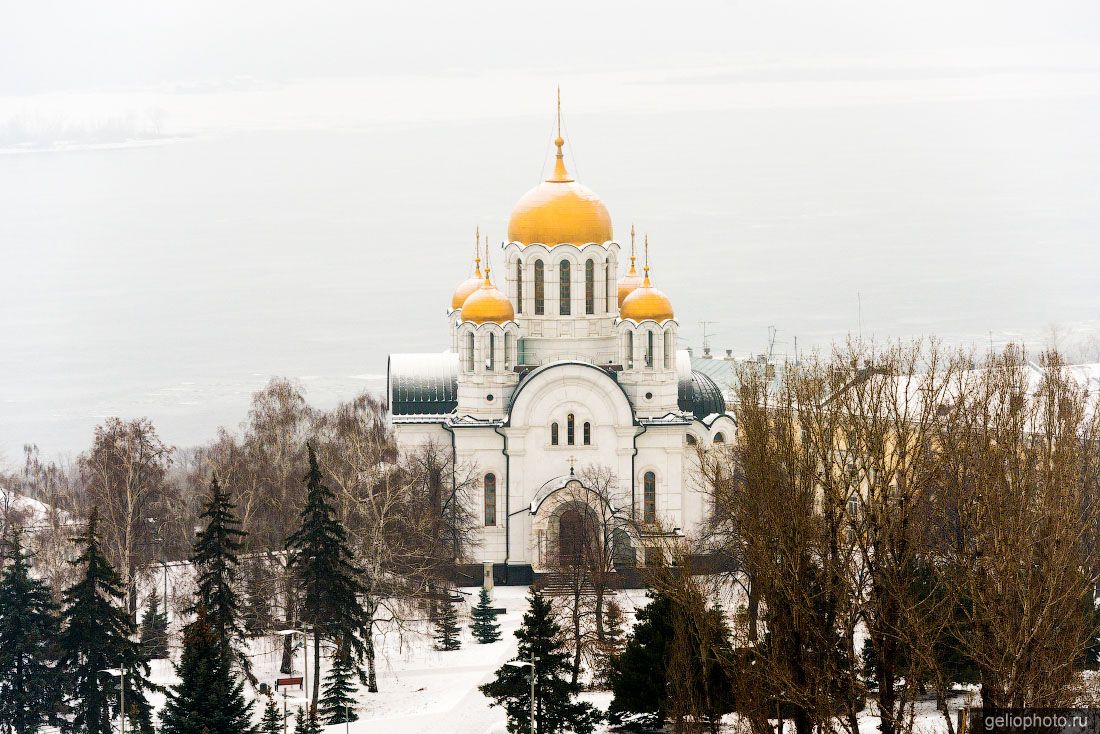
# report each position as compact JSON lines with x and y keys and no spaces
{"x":646,"y":302}
{"x":487,"y":304}
{"x":632,"y":280}
{"x":471,"y":284}
{"x":559,"y":211}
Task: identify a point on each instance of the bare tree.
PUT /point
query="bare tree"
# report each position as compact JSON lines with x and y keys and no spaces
{"x":123,"y":474}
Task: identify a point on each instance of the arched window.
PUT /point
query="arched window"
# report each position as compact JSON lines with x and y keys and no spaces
{"x":649,"y":349}
{"x":491,"y":362}
{"x":490,"y":500}
{"x":606,"y":287}
{"x":564,"y":290}
{"x":570,"y":427}
{"x":719,"y":438}
{"x":691,"y":440}
{"x":507,"y":351}
{"x":629,"y":350}
{"x":554,"y":433}
{"x":590,"y":287}
{"x":668,"y":350}
{"x":587,"y":433}
{"x":519,"y":286}
{"x":649,"y":497}
{"x":540,"y":288}
{"x":470,"y":351}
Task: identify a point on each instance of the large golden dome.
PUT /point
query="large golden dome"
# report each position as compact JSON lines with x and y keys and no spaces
{"x":487,"y":303}
{"x":646,"y":302}
{"x":559,"y":211}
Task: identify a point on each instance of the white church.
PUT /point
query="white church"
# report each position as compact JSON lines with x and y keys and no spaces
{"x":556,"y":364}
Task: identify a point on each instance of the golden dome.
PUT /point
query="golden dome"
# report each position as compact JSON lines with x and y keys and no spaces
{"x":471,"y":284}
{"x":632,"y":280}
{"x":487,"y":303}
{"x":559,"y":211}
{"x":646,"y":302}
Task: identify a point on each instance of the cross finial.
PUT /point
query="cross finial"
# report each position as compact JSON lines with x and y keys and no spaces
{"x":559,"y":110}
{"x":572,"y":463}
{"x":487,"y":268}
{"x":647,"y":254}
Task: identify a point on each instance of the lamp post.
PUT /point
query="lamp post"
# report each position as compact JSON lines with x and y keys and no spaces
{"x":120,"y":673}
{"x":531,"y":665}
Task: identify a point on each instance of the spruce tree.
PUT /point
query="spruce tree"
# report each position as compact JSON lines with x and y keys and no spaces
{"x":484,"y":627}
{"x":447,"y":629}
{"x":321,"y":559}
{"x":209,"y":698}
{"x":611,"y":645}
{"x":638,"y":675}
{"x":556,"y":709}
{"x":154,"y":628}
{"x":306,"y":723}
{"x":28,"y":635}
{"x":272,"y":720}
{"x":97,"y":636}
{"x":214,"y":557}
{"x":337,"y":705}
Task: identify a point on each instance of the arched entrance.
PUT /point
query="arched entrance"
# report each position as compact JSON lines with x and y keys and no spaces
{"x":577,"y":534}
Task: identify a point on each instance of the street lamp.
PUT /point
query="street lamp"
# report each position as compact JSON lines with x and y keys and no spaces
{"x":120,"y":673}
{"x":295,"y":700}
{"x":531,"y":665}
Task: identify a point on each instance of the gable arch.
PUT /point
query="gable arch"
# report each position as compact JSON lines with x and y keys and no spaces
{"x":541,"y":394}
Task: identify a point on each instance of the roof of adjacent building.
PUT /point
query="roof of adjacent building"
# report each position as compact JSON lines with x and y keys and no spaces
{"x":422,"y":384}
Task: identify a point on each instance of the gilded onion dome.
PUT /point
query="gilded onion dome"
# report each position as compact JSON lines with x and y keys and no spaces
{"x":646,"y":302}
{"x":471,"y":284}
{"x":559,"y":210}
{"x":488,"y":304}
{"x":632,"y":280}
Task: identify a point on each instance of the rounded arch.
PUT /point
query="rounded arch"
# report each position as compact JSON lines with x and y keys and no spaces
{"x":539,"y":394}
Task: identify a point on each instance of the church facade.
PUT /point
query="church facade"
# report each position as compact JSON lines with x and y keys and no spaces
{"x":560,"y":368}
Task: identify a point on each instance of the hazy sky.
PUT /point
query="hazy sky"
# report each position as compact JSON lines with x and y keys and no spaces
{"x":197,"y":196}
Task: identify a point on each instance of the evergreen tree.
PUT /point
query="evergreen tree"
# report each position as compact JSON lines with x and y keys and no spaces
{"x":28,"y":633}
{"x":320,"y":557}
{"x":272,"y":721}
{"x":257,"y":616}
{"x":555,"y":708}
{"x":97,"y":636}
{"x":611,"y":645}
{"x":447,"y":629}
{"x":209,"y":698}
{"x":337,"y":705}
{"x":214,"y":556}
{"x":484,"y":627}
{"x":154,"y":628}
{"x":638,"y":675}
{"x":306,"y":723}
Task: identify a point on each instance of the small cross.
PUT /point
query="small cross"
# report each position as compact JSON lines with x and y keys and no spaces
{"x":572,"y":463}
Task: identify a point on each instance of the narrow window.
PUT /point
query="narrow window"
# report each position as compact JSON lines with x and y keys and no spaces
{"x":569,"y":428}
{"x":668,"y":350}
{"x":491,"y":363}
{"x":470,"y":352}
{"x":490,"y":500}
{"x":563,"y":288}
{"x":554,"y":433}
{"x":519,"y":286}
{"x":606,"y":287}
{"x":590,"y":287}
{"x":629,"y":350}
{"x":507,"y":351}
{"x":540,"y":288}
{"x":719,"y":438}
{"x":649,"y":493}
{"x":649,"y":349}
{"x":587,"y":433}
